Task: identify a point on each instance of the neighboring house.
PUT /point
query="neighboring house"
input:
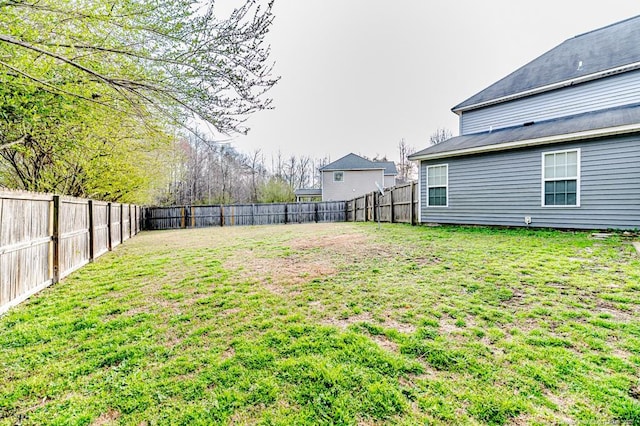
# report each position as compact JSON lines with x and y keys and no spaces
{"x":556,"y":143}
{"x":308,"y":194}
{"x":352,"y":176}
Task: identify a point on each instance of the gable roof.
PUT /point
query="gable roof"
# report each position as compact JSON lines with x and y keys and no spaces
{"x":389,"y":167}
{"x":614,"y":121}
{"x":582,"y":58}
{"x":352,"y":162}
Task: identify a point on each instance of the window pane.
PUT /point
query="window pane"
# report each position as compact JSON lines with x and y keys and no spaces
{"x":549,"y":172}
{"x":560,"y":199}
{"x":572,"y":185}
{"x":548,"y":199}
{"x":572,"y":157}
{"x":561,"y":186}
{"x":437,"y":196}
{"x":572,"y":170}
{"x":571,"y":199}
{"x":549,"y":160}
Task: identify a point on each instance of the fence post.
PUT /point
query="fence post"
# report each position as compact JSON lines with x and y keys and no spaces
{"x":355,"y":210}
{"x":109,"y":226}
{"x":193,"y":217}
{"x":56,"y":238}
{"x":315,"y":208}
{"x":286,"y":213}
{"x":91,"y":230}
{"x":412,"y":219}
{"x":221,"y":215}
{"x":182,"y":218}
{"x":253,"y":219}
{"x":391,"y":206}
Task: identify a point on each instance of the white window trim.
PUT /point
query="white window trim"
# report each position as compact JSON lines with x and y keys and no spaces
{"x":578,"y":175}
{"x":446,"y":166}
{"x":334,"y":175}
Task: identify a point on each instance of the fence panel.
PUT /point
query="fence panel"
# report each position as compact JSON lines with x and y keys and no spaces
{"x":100,"y":228}
{"x":73,"y":235}
{"x":26,"y":246}
{"x":361,"y":206}
{"x":301,"y":213}
{"x":126,"y":222}
{"x":402,"y":203}
{"x":332,"y":211}
{"x":114,"y":225}
{"x":163,"y":218}
{"x":270,"y":214}
{"x":206,"y":216}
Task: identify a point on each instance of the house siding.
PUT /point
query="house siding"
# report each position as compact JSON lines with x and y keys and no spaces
{"x":614,"y":91}
{"x":503,"y":188}
{"x":355,"y":184}
{"x":389,"y":181}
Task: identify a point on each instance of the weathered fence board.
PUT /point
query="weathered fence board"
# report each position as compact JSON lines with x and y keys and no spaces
{"x":115,"y":227}
{"x":73,"y":235}
{"x":44,"y":238}
{"x":126,"y":222}
{"x":100,"y":213}
{"x":26,"y":248}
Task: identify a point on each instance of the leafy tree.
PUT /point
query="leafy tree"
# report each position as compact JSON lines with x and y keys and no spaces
{"x":90,"y":88}
{"x":276,"y":190}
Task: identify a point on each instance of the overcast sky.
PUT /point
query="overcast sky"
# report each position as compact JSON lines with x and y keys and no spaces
{"x":359,"y":75}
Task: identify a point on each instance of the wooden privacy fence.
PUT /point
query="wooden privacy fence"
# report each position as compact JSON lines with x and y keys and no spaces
{"x":44,"y":238}
{"x":179,"y":217}
{"x":398,"y":204}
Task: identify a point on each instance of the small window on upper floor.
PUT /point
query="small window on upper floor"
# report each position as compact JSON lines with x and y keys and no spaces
{"x":561,"y":178}
{"x":338,"y":176}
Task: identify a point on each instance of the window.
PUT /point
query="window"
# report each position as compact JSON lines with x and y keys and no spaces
{"x":338,"y":176}
{"x":437,"y":181}
{"x":561,"y":178}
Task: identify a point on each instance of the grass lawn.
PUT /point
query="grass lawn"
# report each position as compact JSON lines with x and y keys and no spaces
{"x":333,"y":324}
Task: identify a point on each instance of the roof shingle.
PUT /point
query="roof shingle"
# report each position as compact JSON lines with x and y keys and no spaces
{"x":600,"y":50}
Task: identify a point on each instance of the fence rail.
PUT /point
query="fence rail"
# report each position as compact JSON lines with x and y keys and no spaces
{"x":398,"y":204}
{"x":44,"y":238}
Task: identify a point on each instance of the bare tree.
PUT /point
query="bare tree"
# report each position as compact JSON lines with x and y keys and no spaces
{"x":406,"y":168}
{"x":440,"y":135}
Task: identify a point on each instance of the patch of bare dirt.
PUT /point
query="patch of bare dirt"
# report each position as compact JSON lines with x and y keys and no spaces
{"x":110,"y":417}
{"x":279,"y":275}
{"x":346,"y":322}
{"x":335,"y":242}
{"x":386,"y":343}
{"x":228,"y":353}
{"x":367,"y":317}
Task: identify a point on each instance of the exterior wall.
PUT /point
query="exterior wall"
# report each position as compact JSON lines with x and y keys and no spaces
{"x":355,"y":184}
{"x":503,"y":188}
{"x":389,"y":182}
{"x":613,"y":91}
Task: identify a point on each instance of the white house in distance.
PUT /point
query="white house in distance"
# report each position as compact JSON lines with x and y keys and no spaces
{"x":352,"y":176}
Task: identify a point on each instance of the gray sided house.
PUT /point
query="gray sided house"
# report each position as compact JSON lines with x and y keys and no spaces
{"x":352,"y":176}
{"x":554,"y":144}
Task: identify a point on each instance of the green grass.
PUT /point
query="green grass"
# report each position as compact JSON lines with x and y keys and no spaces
{"x":333,"y":324}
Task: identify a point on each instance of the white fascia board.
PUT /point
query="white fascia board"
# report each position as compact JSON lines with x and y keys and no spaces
{"x":549,"y":87}
{"x":587,"y":134}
